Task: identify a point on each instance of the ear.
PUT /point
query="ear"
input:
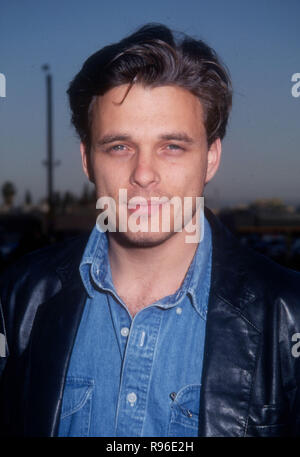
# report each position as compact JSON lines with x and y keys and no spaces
{"x":213,"y":159}
{"x":86,"y":162}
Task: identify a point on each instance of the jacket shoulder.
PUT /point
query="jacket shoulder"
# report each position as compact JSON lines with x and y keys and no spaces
{"x":268,"y":292}
{"x":43,"y":262}
{"x":34,"y":279}
{"x":252,"y":283}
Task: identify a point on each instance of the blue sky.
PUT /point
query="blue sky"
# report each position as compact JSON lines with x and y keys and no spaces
{"x":259,"y":40}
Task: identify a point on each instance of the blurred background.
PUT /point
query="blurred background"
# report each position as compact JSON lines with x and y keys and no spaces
{"x":43,"y":45}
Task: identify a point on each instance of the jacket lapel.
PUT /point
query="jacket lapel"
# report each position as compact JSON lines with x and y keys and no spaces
{"x":232,"y":341}
{"x":53,"y":336}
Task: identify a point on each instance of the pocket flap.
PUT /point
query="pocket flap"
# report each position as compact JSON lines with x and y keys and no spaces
{"x":76,"y":392}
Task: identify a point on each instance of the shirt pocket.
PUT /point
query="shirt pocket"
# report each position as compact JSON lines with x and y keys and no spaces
{"x":184,"y":416}
{"x":76,"y":409}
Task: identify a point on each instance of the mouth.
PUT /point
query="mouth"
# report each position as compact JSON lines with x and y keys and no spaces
{"x":146,"y":207}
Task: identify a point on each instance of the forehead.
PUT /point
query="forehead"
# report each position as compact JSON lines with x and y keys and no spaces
{"x":147,"y":110}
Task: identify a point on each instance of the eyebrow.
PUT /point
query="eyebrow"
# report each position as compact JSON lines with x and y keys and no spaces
{"x":172,"y":136}
{"x":112,"y":138}
{"x":177,"y":136}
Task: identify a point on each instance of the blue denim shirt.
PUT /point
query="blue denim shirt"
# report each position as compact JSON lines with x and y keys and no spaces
{"x":136,"y":376}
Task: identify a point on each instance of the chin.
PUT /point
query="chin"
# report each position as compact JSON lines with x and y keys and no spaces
{"x":141,"y":239}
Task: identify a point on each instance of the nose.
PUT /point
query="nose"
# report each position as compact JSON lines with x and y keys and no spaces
{"x":144,"y":173}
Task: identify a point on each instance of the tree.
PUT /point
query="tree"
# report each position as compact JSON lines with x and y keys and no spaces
{"x":28,"y":198}
{"x":85,"y":196}
{"x":69,"y":200}
{"x":8,"y":193}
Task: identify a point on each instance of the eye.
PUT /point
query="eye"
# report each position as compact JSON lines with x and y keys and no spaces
{"x":117,"y":149}
{"x":174,"y":149}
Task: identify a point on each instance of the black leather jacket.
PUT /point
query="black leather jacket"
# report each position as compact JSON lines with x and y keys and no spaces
{"x":250,"y":379}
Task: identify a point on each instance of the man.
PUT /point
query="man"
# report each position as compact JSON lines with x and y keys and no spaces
{"x":147,"y":332}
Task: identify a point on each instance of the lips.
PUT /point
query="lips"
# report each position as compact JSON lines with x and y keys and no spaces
{"x":146,"y":206}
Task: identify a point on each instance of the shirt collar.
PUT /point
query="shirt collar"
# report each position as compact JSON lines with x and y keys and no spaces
{"x":96,"y":273}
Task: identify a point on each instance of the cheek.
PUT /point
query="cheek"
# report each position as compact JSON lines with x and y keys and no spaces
{"x":189,"y":179}
{"x":108,"y":179}
{"x":198,"y":173}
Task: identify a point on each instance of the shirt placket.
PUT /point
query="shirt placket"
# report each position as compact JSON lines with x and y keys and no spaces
{"x":136,"y":372}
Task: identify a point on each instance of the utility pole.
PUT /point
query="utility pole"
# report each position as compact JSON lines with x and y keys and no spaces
{"x":49,"y":161}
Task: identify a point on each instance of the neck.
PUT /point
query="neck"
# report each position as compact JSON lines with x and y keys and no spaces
{"x":161,"y":267}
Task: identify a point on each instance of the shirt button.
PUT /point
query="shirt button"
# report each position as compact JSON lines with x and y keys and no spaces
{"x":178,"y":310}
{"x":124,"y":331}
{"x":132,"y":398}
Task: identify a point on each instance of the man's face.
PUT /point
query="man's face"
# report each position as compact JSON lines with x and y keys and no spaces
{"x":153,"y":144}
